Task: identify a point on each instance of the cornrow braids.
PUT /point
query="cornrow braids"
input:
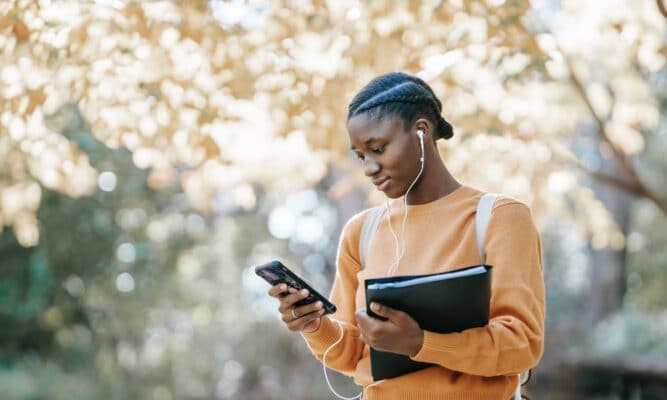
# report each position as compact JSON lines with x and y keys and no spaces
{"x":404,"y":96}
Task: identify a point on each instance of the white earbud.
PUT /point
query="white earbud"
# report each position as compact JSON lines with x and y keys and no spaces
{"x":420,"y":133}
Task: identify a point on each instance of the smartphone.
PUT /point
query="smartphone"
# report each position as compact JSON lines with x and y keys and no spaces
{"x":274,"y":272}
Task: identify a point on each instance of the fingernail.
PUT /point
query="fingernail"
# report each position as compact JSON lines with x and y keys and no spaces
{"x":283,"y":287}
{"x":292,"y":290}
{"x":304,"y":291}
{"x":318,"y":304}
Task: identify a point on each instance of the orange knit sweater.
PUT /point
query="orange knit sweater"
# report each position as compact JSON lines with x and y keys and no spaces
{"x":479,"y":363}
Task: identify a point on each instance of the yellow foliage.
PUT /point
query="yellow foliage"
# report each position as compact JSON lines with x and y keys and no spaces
{"x":262,"y":96}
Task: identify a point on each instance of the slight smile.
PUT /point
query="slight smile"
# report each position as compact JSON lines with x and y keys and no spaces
{"x":382,"y":183}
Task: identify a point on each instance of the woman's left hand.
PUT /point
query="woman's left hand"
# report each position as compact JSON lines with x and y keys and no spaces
{"x":399,"y":334}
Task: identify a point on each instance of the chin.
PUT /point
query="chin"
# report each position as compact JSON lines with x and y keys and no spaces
{"x":393,"y":193}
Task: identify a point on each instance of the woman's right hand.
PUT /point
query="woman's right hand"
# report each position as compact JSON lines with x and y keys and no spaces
{"x":306,"y":318}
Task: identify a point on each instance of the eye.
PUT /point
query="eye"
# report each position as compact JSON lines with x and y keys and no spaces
{"x":359,"y":155}
{"x":378,"y":150}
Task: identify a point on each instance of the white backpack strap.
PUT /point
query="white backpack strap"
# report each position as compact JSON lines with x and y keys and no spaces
{"x":484,"y":209}
{"x":368,"y":228}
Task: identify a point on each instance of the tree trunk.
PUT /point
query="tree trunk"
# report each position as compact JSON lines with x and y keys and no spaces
{"x":346,"y":205}
{"x":608,"y":265}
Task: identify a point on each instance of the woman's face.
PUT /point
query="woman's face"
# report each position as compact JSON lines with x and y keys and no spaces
{"x":388,"y":154}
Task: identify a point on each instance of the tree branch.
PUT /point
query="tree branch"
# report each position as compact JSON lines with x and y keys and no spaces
{"x":635,"y":185}
{"x":615,"y":181}
{"x":662,"y":8}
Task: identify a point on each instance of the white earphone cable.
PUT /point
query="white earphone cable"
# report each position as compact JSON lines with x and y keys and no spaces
{"x":392,"y":269}
{"x":399,"y":255}
{"x":324,"y":366}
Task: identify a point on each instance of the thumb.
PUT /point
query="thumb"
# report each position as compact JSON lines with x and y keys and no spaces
{"x":384,"y":311}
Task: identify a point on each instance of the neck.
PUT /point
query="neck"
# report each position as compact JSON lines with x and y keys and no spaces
{"x":435,"y":182}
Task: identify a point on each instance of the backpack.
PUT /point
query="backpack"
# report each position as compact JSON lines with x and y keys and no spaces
{"x":482,"y":217}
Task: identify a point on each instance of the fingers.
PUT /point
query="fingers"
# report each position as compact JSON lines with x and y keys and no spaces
{"x":288,"y":301}
{"x":392,"y":314}
{"x":286,"y":296}
{"x":296,"y":318}
{"x":277,"y":290}
{"x":380,"y":310}
{"x":362,"y":322}
{"x":294,"y":313}
{"x":372,"y":329}
{"x":361,"y":316}
{"x":307,"y":309}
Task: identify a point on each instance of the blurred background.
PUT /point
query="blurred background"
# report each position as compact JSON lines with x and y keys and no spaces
{"x":153,"y":152}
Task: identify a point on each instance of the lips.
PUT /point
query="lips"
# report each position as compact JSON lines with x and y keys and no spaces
{"x":381,"y":183}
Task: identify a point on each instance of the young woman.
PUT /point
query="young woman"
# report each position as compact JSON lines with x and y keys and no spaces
{"x":392,"y":123}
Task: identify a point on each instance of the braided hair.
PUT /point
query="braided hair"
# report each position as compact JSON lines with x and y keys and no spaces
{"x":404,"y":96}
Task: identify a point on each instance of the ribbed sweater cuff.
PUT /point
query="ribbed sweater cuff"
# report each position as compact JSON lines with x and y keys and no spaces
{"x":327,"y":334}
{"x":435,"y":344}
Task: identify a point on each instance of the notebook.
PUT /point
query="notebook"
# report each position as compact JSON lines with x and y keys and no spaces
{"x":443,"y":302}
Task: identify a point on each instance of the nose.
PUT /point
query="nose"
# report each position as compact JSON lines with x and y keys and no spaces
{"x":371,"y":167}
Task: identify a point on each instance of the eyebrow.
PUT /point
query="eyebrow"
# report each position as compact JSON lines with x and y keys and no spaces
{"x":367,"y":142}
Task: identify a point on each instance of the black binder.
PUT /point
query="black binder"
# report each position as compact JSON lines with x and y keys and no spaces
{"x":449,"y":304}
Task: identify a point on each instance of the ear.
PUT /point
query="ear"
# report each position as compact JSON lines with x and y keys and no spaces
{"x":424,"y":125}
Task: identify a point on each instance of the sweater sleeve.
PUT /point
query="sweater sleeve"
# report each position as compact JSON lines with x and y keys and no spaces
{"x":512,"y":342}
{"x":344,"y":356}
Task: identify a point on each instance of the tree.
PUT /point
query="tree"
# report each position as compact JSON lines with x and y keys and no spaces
{"x":284,"y":82}
{"x":238,"y":106}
